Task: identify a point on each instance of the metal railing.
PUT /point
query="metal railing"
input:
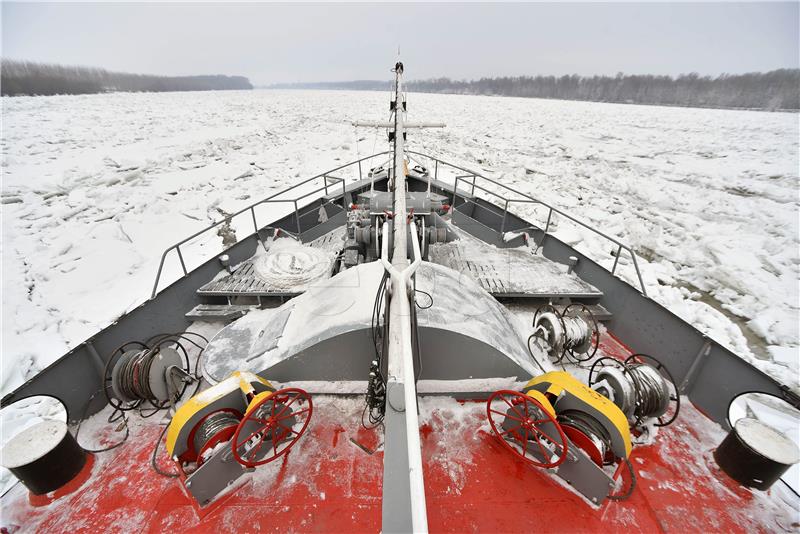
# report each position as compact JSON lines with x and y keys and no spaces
{"x":272,"y":199}
{"x":471,"y":177}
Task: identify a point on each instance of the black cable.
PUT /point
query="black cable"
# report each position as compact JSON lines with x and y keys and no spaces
{"x":155,"y":409}
{"x":374,"y":425}
{"x":179,"y":335}
{"x":623,"y":496}
{"x":534,"y":358}
{"x":155,"y":453}
{"x":111,"y":419}
{"x":424,"y":293}
{"x":417,"y":350}
{"x":375,"y":398}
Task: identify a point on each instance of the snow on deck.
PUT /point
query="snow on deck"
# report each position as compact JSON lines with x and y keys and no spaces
{"x":287,"y":268}
{"x":91,"y":201}
{"x":509,"y":272}
{"x":344,"y":303}
{"x":331,"y":481}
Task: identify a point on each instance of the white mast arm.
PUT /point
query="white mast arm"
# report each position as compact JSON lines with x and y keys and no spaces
{"x":400,"y":351}
{"x":407,"y":125}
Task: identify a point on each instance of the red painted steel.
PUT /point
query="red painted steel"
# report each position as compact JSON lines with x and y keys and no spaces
{"x":331,"y":481}
{"x":526,"y":416}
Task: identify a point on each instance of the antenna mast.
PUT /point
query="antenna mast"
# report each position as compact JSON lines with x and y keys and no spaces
{"x":404,"y":507}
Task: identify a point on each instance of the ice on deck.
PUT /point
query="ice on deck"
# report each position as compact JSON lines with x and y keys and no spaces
{"x":344,"y":303}
{"x":509,"y":272}
{"x":287,"y":268}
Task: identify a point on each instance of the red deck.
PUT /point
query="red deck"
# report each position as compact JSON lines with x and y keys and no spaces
{"x":327,"y":483}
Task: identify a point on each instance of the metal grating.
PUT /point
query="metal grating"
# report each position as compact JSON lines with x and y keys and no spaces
{"x":245,"y":282}
{"x":510,"y":272}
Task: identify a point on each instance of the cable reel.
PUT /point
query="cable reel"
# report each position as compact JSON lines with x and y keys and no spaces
{"x":215,"y":428}
{"x":136,"y":373}
{"x":271,"y":420}
{"x":267,"y":430}
{"x":573,"y":332}
{"x":641,"y":386}
{"x":587,"y":434}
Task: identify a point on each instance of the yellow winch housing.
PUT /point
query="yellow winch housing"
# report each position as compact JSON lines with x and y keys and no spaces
{"x":565,"y":392}
{"x":232,"y":394}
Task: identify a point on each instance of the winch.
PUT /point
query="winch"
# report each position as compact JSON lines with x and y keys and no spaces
{"x":573,"y":333}
{"x":232,"y":427}
{"x":557,"y":422}
{"x":580,"y":430}
{"x":641,"y":386}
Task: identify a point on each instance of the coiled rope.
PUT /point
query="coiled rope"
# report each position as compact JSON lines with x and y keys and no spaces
{"x":652,"y":394}
{"x":134,"y":376}
{"x":576,"y":332}
{"x":213,"y":424}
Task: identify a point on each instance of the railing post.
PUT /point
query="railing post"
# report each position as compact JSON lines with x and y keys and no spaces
{"x":180,"y":256}
{"x":255,"y":224}
{"x":546,"y":229}
{"x":474,"y":177}
{"x":505,"y":214}
{"x":616,"y":260}
{"x":360,"y":176}
{"x":158,"y":274}
{"x":297,"y":218}
{"x":325,"y":178}
{"x":455,"y":186}
{"x":638,"y":272}
{"x":436,"y":170}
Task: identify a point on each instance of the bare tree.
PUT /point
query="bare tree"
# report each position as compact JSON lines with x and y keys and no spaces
{"x":27,"y":78}
{"x":774,"y":90}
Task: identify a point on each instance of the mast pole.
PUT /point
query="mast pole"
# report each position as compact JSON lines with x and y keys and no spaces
{"x":403,"y":485}
{"x":399,"y":253}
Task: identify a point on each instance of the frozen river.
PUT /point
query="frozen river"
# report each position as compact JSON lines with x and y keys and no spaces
{"x":96,"y":187}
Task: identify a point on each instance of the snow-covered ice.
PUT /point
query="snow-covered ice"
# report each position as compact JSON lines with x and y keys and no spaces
{"x":95,"y":187}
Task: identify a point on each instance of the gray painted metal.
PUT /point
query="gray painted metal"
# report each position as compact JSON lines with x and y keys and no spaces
{"x":642,"y":324}
{"x":396,"y":510}
{"x":510,"y":272}
{"x":218,"y":312}
{"x":446,"y":355}
{"x":244,"y":282}
{"x":580,"y":472}
{"x":399,"y":353}
{"x":215,"y":475}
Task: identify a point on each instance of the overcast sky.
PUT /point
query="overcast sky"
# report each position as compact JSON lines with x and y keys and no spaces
{"x":311,"y":42}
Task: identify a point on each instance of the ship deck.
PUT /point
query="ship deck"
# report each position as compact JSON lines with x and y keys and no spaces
{"x":502,"y":272}
{"x":332,"y":482}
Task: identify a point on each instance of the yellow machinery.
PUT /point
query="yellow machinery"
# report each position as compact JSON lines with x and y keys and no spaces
{"x":558,"y":423}
{"x":232,"y":427}
{"x":586,"y":411}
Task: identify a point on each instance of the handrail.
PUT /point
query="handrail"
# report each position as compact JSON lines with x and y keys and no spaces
{"x":528,"y":199}
{"x":326,"y":176}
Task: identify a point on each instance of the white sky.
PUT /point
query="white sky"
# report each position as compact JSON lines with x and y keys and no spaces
{"x":329,"y":42}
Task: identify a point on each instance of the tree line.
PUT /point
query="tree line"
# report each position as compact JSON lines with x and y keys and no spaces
{"x":773,"y":90}
{"x":28,"y":78}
